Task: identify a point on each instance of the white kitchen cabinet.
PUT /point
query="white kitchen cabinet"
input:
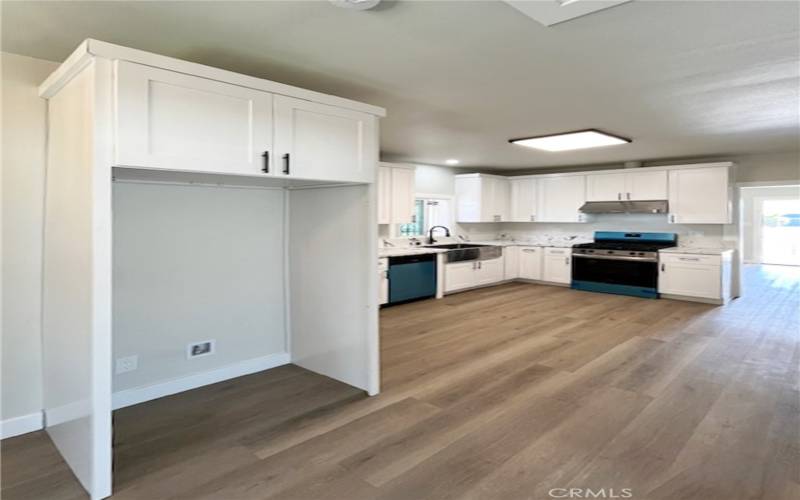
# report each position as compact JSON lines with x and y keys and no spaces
{"x":383,"y":281}
{"x":403,"y":191}
{"x":560,"y":197}
{"x":511,"y":262}
{"x":396,"y":194}
{"x":700,"y":196}
{"x":318,"y":141}
{"x":627,"y":186}
{"x":604,"y":187}
{"x":646,"y":185}
{"x":170,"y":120}
{"x":695,"y":276}
{"x":459,"y":275}
{"x":384,"y":195}
{"x":481,"y":198}
{"x":522,"y":199}
{"x":557,"y":265}
{"x":530,"y":263}
{"x":489,"y":272}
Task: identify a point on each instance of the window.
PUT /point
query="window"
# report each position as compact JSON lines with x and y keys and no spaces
{"x":428,"y":212}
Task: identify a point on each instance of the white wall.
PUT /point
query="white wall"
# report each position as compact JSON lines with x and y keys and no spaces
{"x":768,"y":167}
{"x":195,"y":263}
{"x":23,"y":157}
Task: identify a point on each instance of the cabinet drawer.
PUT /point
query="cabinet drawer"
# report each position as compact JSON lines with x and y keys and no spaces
{"x":686,"y":258}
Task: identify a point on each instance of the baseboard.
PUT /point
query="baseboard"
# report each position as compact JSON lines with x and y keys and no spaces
{"x":21,"y":425}
{"x":138,"y":395}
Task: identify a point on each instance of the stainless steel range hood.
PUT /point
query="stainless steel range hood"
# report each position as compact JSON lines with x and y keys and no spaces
{"x":625,"y":207}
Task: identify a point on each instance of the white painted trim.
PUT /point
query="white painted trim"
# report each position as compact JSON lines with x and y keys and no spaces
{"x":129,"y":397}
{"x":617,"y":170}
{"x":96,"y":48}
{"x":23,"y":424}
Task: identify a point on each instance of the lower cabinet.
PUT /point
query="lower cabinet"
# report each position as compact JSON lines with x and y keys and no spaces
{"x":461,"y":275}
{"x":511,"y":263}
{"x":695,"y":276}
{"x":530,"y":263}
{"x":557,"y":265}
{"x":383,"y":281}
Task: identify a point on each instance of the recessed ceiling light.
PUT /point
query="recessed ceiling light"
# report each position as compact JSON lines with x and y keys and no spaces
{"x":356,"y":4}
{"x":452,"y":161}
{"x":567,"y":141}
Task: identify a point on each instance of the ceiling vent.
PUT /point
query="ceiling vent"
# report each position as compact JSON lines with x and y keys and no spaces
{"x":550,"y":12}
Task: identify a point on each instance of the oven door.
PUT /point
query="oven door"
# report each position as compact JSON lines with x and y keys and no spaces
{"x":625,"y":275}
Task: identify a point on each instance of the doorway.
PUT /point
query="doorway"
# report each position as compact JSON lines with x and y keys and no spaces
{"x":771,"y":225}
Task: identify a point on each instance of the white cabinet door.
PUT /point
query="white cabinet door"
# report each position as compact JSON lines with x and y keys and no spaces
{"x":494,"y":199}
{"x":175,"y":121}
{"x":530,"y":263}
{"x":561,"y":197}
{"x":522,"y":200}
{"x":647,"y":185}
{"x":489,"y":271}
{"x":511,"y":263}
{"x":557,"y":265}
{"x":459,"y":275}
{"x":699,"y":196}
{"x":605,"y":187}
{"x":402,"y":195}
{"x":317,"y":141}
{"x":685,"y":275}
{"x":384,"y":195}
{"x":468,"y":199}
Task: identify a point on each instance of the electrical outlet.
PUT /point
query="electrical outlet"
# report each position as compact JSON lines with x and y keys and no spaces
{"x":127,"y":364}
{"x":202,"y":348}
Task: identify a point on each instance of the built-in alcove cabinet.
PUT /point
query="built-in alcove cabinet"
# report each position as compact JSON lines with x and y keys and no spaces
{"x":173,"y":164}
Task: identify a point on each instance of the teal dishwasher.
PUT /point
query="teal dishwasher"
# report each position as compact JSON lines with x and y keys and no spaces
{"x":412,"y":277}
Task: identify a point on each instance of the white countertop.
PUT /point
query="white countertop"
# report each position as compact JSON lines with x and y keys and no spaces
{"x":697,"y":250}
{"x":511,"y":243}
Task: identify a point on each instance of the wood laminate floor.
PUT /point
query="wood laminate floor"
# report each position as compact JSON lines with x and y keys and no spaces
{"x":501,"y":393}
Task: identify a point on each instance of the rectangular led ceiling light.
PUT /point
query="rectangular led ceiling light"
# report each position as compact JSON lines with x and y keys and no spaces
{"x":568,"y":141}
{"x":550,"y":12}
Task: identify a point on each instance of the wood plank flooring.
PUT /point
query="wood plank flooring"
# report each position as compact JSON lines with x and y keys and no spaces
{"x":501,"y":393}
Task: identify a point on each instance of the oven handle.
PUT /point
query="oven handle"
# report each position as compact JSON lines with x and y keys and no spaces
{"x":610,"y":257}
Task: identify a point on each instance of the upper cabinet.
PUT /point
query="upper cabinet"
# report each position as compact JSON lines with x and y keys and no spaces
{"x":396,"y":194}
{"x":624,"y":186}
{"x":176,"y":121}
{"x":560,"y":197}
{"x":482,"y":198}
{"x":523,"y":199}
{"x":317,"y":141}
{"x":700,"y":196}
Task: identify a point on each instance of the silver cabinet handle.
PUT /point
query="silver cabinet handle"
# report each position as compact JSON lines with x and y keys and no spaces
{"x":692,"y":259}
{"x":533,"y":218}
{"x":619,"y":196}
{"x":672,"y":218}
{"x":663,"y":267}
{"x":529,"y":250}
{"x":629,"y":196}
{"x":566,"y":260}
{"x":480,"y":265}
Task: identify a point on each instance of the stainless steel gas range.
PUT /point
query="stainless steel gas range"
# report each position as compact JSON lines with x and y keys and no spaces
{"x":620,"y":262}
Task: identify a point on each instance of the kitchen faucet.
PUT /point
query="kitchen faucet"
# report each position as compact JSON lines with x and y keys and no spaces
{"x":431,"y":241}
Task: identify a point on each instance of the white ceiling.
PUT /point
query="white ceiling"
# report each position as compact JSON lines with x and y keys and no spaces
{"x":459,"y":79}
